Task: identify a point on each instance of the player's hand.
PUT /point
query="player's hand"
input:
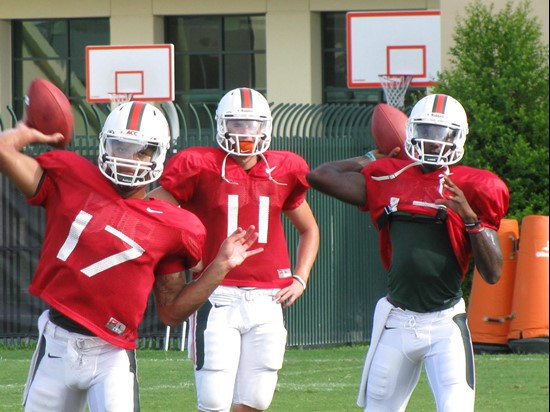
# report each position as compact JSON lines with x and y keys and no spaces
{"x":454,"y":199}
{"x":287,"y":296}
{"x":379,"y":155}
{"x":235,"y":249}
{"x":22,"y":135}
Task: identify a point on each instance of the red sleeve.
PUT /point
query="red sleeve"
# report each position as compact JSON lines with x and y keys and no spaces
{"x":301,"y":186}
{"x":179,"y":174}
{"x":487,"y":194}
{"x":56,"y":164}
{"x":193,"y":237}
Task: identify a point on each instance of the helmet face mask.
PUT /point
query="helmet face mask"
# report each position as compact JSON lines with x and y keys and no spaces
{"x":133,"y":144}
{"x":436,"y":131}
{"x":243,"y":123}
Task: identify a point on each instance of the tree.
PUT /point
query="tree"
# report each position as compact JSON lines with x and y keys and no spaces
{"x":499,"y":72}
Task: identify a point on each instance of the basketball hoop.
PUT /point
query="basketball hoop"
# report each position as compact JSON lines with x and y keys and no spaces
{"x":118,"y":98}
{"x":395,"y":87}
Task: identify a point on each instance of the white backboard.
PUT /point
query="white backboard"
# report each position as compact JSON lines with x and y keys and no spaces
{"x":393,"y":42}
{"x":144,"y":71}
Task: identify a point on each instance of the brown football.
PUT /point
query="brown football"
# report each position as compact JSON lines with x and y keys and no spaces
{"x":49,"y":110}
{"x":389,"y":129}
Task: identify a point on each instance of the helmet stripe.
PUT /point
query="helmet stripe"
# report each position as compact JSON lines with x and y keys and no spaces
{"x":246,"y":98}
{"x":135,"y":116}
{"x":439,"y":103}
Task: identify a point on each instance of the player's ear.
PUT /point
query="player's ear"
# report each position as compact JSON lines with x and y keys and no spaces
{"x":394,"y":152}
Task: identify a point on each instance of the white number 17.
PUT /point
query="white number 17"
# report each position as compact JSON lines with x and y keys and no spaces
{"x":78,"y":226}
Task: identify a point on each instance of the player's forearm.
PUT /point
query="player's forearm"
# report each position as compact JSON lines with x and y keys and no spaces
{"x":487,"y":254}
{"x":308,"y":247}
{"x":23,"y":170}
{"x":332,"y":180}
{"x":353,"y":164}
{"x":194,"y":294}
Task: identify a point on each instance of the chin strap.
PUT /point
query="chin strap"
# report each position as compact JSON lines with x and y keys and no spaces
{"x":394,"y":175}
{"x":267,"y":170}
{"x":223,"y":170}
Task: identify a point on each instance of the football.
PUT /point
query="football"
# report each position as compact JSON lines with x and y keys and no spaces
{"x":49,"y":110}
{"x":389,"y":129}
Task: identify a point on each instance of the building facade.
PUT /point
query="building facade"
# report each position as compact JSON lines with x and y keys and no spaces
{"x":291,"y":50}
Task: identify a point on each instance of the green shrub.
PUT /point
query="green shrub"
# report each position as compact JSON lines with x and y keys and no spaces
{"x":499,"y":72}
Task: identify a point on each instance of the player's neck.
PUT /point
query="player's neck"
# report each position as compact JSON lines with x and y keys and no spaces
{"x":428,"y":168}
{"x":132,"y":192}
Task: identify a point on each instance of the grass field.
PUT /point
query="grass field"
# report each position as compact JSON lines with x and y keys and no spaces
{"x":312,"y":380}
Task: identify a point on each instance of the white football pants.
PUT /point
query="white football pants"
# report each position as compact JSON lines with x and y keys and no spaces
{"x":440,"y":341}
{"x":238,"y":345}
{"x":68,"y":369}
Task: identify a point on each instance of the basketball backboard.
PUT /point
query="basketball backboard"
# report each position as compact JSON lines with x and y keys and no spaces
{"x":393,"y":43}
{"x":146,"y":72}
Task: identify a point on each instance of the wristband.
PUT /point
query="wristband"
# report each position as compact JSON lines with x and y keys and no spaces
{"x":474,"y":230}
{"x":472,"y":225}
{"x":370,"y":155}
{"x":300,"y":280}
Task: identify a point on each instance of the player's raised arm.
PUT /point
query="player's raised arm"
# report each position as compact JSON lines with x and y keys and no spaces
{"x":22,"y":169}
{"x":341,"y":179}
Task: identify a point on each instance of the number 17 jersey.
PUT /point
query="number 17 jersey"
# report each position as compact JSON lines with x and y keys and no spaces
{"x":101,"y":252}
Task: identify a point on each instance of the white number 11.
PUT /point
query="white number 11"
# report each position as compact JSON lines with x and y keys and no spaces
{"x":233,"y":216}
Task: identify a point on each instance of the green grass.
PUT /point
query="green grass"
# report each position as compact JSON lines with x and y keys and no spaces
{"x":312,"y":380}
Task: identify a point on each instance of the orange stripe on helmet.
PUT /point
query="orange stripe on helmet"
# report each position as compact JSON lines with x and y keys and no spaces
{"x":246,"y":98}
{"x":439,"y":103}
{"x":135,"y":116}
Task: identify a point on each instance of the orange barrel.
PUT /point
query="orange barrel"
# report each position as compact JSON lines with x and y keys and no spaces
{"x":529,"y":328}
{"x":490,"y":306}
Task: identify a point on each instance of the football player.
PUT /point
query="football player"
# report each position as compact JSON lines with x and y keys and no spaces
{"x":432,"y":217}
{"x":105,"y":246}
{"x":238,"y":335}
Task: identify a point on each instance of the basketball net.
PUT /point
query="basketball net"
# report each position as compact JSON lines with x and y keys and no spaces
{"x":118,"y":98}
{"x":395,"y":86}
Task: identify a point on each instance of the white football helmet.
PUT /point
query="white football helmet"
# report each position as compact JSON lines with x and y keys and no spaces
{"x":244,"y":122}
{"x":436,"y":130}
{"x":133,"y":144}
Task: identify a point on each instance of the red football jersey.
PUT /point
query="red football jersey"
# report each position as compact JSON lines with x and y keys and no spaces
{"x":194,"y":177}
{"x":101,"y":252}
{"x":414,"y":192}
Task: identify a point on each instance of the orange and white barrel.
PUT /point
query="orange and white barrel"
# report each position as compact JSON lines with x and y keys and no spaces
{"x":529,"y":329}
{"x":490,"y":306}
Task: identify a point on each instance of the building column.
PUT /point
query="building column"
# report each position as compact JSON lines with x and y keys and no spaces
{"x":133,"y":22}
{"x":293,"y":44}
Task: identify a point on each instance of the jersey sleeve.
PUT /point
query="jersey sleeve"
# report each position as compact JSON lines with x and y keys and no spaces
{"x":179,"y":175}
{"x":55,"y":163}
{"x":193,"y":237}
{"x":488,"y":196}
{"x":298,"y":194}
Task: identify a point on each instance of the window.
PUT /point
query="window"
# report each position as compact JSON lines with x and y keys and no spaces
{"x":55,"y":50}
{"x":334,"y":49}
{"x":215,"y":54}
